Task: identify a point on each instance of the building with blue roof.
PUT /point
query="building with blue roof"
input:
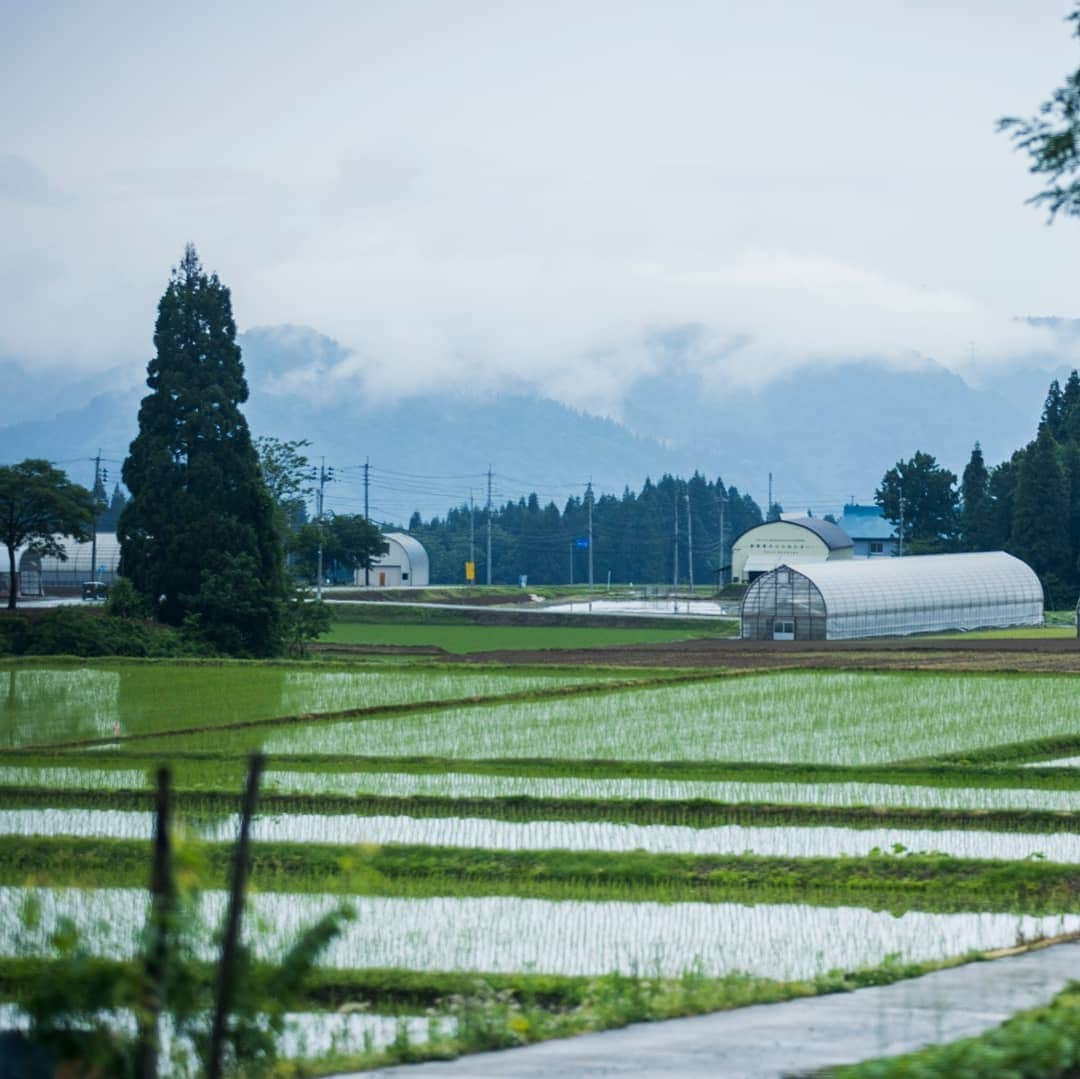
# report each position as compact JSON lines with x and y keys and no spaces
{"x":872,"y":535}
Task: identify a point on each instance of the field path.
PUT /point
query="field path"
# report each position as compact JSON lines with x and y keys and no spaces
{"x":772,"y":1040}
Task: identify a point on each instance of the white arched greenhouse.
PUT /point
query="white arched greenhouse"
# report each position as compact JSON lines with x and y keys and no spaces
{"x":39,"y":574}
{"x":892,"y":597}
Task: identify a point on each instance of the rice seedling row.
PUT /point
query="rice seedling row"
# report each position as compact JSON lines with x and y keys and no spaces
{"x":478,"y":834}
{"x":75,"y":768}
{"x":690,"y":814}
{"x":507,"y":934}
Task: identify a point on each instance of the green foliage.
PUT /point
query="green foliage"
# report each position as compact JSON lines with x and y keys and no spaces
{"x":72,"y":999}
{"x":125,"y":601}
{"x":200,"y":516}
{"x":287,"y":474}
{"x":73,"y":631}
{"x":348,"y":539}
{"x":38,"y":506}
{"x":1043,"y":1043}
{"x":305,"y":619}
{"x":929,"y":499}
{"x":1051,"y":139}
{"x":1040,"y":506}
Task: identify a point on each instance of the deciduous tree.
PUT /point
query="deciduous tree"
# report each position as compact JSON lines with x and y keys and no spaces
{"x":38,"y":505}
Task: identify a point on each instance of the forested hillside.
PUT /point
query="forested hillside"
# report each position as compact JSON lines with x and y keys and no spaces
{"x":634,"y":535}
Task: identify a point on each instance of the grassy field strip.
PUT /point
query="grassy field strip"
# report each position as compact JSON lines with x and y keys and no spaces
{"x":457,"y":785}
{"x":65,"y":705}
{"x":506,"y":934}
{"x":74,"y":778}
{"x":813,"y":717}
{"x":693,"y":814}
{"x":204,"y":770}
{"x":464,"y":639}
{"x":791,"y":842}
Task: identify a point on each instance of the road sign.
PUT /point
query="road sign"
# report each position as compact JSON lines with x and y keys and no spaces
{"x":581,"y":542}
{"x":470,"y":571}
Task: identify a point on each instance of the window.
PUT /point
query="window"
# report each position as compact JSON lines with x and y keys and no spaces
{"x":877,"y":547}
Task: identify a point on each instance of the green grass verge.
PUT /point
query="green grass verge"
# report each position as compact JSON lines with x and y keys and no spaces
{"x":1042,"y":1043}
{"x":195,"y":770}
{"x":887,"y":882}
{"x":689,"y":813}
{"x":1017,"y":633}
{"x":464,"y":639}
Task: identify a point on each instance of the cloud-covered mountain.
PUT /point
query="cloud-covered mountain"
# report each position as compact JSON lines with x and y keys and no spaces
{"x":826,"y":433}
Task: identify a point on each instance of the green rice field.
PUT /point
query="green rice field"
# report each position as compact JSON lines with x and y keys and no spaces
{"x":464,"y":639}
{"x":729,"y":837}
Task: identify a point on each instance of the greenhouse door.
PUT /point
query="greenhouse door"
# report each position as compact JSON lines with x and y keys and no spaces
{"x":783,"y":630}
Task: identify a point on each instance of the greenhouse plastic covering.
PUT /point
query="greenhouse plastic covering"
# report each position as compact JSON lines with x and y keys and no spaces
{"x":894,"y":596}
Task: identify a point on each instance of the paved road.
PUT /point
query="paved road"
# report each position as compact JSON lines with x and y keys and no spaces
{"x":772,"y":1040}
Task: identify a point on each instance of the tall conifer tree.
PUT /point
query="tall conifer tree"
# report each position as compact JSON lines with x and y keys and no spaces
{"x":976,"y":530}
{"x":198,"y":536}
{"x":1040,"y":531}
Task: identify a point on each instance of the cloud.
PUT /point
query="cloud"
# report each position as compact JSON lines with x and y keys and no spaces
{"x":22,"y":181}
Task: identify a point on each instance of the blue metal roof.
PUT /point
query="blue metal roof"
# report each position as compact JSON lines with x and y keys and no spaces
{"x":866,"y":523}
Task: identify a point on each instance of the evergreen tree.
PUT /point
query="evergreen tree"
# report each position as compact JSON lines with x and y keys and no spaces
{"x":1054,"y":409}
{"x":929,"y":498}
{"x":1040,"y":518}
{"x":1070,"y":409}
{"x":976,"y":525}
{"x":108,"y":521}
{"x":198,"y":537}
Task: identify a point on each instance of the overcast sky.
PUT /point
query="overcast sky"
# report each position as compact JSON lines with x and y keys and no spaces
{"x":498,"y":194}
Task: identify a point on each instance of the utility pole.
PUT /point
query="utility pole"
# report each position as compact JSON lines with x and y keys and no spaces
{"x":100,"y":476}
{"x":901,"y":524}
{"x":723,"y":503}
{"x":489,"y":524}
{"x":367,"y":475}
{"x":589,"y":501}
{"x":675,"y":573}
{"x":325,"y":476}
{"x":472,"y":535}
{"x":690,"y":542}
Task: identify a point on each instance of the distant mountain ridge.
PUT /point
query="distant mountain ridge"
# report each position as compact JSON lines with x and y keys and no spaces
{"x":825,"y":433}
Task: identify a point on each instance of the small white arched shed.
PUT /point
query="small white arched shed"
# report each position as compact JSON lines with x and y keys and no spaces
{"x":405,"y":565}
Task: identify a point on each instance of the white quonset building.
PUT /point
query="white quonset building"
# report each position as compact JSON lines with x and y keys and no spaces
{"x":891,"y":597}
{"x":405,"y":565}
{"x":38,"y":574}
{"x":791,"y":541}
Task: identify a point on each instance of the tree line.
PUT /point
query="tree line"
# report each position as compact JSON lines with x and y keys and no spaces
{"x":1028,"y":505}
{"x":634,"y":537}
